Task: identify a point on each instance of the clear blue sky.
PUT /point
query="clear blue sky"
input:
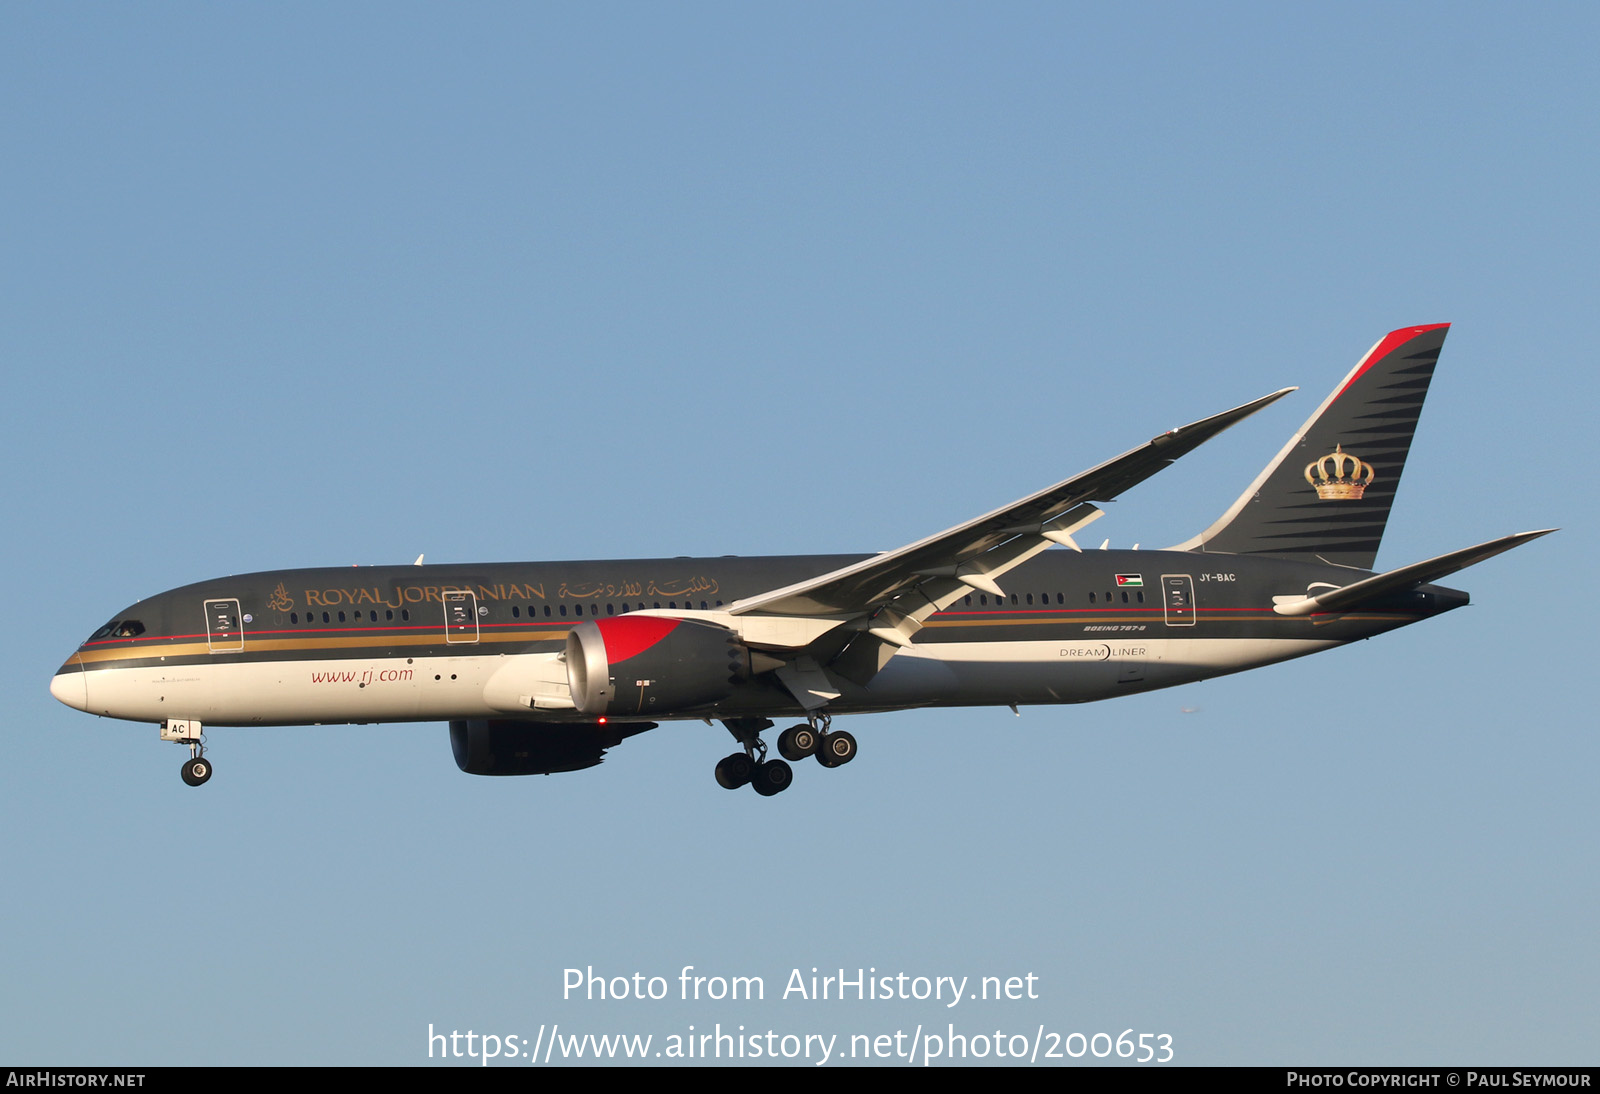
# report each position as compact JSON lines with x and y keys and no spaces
{"x":305,"y":285}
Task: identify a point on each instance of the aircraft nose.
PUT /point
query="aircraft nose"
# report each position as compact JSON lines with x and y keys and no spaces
{"x":70,"y":685}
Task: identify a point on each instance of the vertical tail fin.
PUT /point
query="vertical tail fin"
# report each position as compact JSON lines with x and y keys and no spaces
{"x":1327,"y":495}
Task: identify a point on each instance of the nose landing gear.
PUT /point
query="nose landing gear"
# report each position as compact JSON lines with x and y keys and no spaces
{"x":185,"y":731}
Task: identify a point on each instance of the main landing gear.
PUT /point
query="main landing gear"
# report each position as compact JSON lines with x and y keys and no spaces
{"x":766,"y":777}
{"x":769,"y":777}
{"x":197,"y":769}
{"x":831,"y":748}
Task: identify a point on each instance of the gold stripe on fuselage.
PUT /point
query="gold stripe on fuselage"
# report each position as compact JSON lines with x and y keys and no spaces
{"x":280,"y":645}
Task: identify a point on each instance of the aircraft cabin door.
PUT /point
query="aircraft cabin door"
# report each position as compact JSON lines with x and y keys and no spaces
{"x":1177,"y":598}
{"x":460,"y":616}
{"x":224,"y":631}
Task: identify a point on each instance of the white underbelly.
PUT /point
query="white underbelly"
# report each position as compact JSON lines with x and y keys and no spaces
{"x":296,"y":692}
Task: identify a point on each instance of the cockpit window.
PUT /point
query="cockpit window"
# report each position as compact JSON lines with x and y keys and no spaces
{"x":119,"y":628}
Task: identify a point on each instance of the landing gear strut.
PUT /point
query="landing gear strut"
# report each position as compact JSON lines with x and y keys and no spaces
{"x":197,"y":769}
{"x":768,"y":777}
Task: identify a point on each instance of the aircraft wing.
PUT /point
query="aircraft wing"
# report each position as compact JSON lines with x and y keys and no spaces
{"x":976,"y":554}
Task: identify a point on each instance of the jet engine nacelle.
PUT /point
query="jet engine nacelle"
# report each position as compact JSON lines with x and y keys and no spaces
{"x":651,"y":665}
{"x":504,"y":747}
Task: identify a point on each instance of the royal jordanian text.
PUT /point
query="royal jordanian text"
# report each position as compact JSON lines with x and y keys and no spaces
{"x":847,"y":985}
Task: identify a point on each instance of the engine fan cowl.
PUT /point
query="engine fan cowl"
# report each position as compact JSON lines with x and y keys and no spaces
{"x":652,"y":665}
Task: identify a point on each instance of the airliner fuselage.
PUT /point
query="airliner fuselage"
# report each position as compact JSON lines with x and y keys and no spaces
{"x":425,"y":643}
{"x":541,"y":667}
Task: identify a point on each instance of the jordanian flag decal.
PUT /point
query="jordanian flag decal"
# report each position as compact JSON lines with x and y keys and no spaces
{"x":1126,"y":581}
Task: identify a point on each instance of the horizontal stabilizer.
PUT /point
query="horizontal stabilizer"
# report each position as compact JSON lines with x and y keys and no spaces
{"x":1406,"y":577}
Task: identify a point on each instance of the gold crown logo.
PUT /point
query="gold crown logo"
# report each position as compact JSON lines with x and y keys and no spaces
{"x":1340,"y":476}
